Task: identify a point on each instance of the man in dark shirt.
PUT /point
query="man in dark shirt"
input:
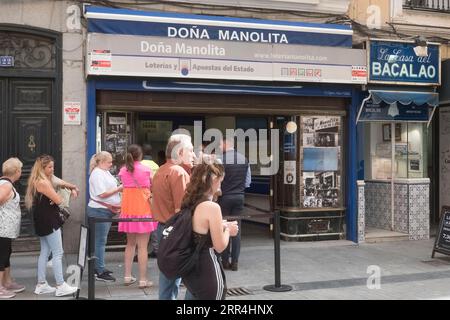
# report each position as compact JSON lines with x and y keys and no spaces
{"x":237,"y":178}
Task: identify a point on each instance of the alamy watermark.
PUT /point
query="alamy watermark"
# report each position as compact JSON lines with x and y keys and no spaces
{"x":262,"y":145}
{"x":374,"y":279}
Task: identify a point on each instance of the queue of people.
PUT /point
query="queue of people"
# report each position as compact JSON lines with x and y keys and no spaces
{"x":140,"y":193}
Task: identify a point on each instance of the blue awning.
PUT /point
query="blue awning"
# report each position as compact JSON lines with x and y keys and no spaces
{"x":405,"y":97}
{"x":147,"y":23}
{"x":397,"y":105}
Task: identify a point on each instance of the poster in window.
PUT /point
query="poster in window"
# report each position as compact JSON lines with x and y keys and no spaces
{"x":320,"y":159}
{"x":321,"y":189}
{"x":387,"y":132}
{"x":414,"y":165}
{"x":320,"y":131}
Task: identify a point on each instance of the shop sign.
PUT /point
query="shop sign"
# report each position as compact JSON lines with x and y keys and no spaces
{"x":393,"y":112}
{"x":72,"y":113}
{"x":143,"y":56}
{"x":397,"y":63}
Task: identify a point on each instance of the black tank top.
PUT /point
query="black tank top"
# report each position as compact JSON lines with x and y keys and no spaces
{"x":45,"y":215}
{"x":198,"y":238}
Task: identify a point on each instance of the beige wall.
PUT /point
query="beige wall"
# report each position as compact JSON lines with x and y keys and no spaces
{"x":358,"y":10}
{"x":52,"y":15}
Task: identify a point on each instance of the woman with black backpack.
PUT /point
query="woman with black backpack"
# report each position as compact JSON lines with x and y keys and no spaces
{"x":207,"y":281}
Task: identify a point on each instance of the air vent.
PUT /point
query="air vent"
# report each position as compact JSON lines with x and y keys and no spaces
{"x":232,"y":292}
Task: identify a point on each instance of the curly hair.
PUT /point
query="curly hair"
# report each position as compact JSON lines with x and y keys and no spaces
{"x":201,"y":183}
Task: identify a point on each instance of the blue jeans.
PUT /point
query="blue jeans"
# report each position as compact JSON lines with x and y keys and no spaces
{"x":51,"y":244}
{"x":101,"y":235}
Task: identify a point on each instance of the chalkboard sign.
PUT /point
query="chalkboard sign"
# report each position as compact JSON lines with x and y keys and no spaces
{"x":442,"y":243}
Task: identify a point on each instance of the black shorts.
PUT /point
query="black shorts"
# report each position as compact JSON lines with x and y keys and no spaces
{"x":5,"y":252}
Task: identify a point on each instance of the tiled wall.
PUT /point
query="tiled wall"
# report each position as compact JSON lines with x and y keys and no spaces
{"x":411,"y":208}
{"x":378,"y":205}
{"x":361,"y":213}
{"x":419,"y":208}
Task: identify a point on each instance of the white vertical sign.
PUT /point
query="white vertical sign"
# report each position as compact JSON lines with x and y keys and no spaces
{"x":72,"y":113}
{"x":290,"y":172}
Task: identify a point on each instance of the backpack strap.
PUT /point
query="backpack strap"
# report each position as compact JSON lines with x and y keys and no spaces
{"x":9,"y":180}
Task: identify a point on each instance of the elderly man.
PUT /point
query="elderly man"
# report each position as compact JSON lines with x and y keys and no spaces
{"x":168,"y":188}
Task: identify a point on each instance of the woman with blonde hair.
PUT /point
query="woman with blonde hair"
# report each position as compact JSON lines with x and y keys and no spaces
{"x":207,"y":281}
{"x":104,"y":203}
{"x":10,"y":216}
{"x":42,"y":198}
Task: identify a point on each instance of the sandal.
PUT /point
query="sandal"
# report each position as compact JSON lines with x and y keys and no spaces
{"x":145,"y":284}
{"x":129,"y":280}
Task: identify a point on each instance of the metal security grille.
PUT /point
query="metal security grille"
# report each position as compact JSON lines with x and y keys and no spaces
{"x":232,"y":292}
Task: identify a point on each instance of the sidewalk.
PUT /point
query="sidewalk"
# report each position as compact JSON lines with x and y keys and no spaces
{"x":315,"y":270}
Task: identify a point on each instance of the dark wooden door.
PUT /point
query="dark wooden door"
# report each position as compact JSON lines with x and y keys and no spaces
{"x":27,"y":131}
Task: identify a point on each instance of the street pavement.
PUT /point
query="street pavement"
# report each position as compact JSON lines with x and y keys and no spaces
{"x":324,"y":270}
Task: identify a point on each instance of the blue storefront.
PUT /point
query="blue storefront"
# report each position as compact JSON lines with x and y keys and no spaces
{"x":395,"y":142}
{"x":152,"y":72}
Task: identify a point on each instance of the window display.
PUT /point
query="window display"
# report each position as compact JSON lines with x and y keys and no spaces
{"x":117,"y":137}
{"x":321,"y":162}
{"x":410,"y":151}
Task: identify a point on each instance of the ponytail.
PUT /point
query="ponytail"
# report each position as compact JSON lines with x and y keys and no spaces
{"x":134,"y":153}
{"x":129,"y":162}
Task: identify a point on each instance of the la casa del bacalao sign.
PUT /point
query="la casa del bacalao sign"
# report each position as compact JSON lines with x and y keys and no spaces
{"x":397,"y":63}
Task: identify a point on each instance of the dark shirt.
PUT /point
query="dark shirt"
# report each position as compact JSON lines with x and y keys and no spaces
{"x":45,"y":216}
{"x":236,"y":172}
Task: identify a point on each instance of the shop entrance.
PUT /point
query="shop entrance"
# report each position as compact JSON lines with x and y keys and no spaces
{"x":311,"y":132}
{"x":120,"y":129}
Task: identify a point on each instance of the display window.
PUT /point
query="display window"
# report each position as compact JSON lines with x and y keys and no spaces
{"x":321,"y":163}
{"x":402,"y":156}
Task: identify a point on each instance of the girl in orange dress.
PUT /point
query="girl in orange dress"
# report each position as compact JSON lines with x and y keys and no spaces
{"x":136,"y":180}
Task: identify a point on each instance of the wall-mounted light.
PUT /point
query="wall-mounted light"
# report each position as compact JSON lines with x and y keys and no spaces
{"x":421,"y":48}
{"x":291,"y":127}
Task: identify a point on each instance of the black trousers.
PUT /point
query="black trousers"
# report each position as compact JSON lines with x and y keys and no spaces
{"x":232,"y":205}
{"x":5,"y":253}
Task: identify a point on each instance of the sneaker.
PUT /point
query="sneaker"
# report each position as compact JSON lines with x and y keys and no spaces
{"x":106,"y":277}
{"x":6,"y":294}
{"x":65,"y":290}
{"x":107,"y":271}
{"x":234,"y":266}
{"x":43,"y":288}
{"x":15,"y":287}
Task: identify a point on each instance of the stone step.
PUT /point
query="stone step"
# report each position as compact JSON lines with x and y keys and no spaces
{"x":26,"y":244}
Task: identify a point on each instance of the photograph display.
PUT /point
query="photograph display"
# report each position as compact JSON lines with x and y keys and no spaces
{"x":321,"y":161}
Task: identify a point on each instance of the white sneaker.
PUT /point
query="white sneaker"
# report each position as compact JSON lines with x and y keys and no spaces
{"x":43,"y":288}
{"x":65,"y":290}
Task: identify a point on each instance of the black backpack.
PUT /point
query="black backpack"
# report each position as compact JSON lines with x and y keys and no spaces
{"x":177,"y":254}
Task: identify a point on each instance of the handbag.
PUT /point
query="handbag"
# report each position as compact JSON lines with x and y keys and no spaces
{"x":145,"y":192}
{"x":63,"y":214}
